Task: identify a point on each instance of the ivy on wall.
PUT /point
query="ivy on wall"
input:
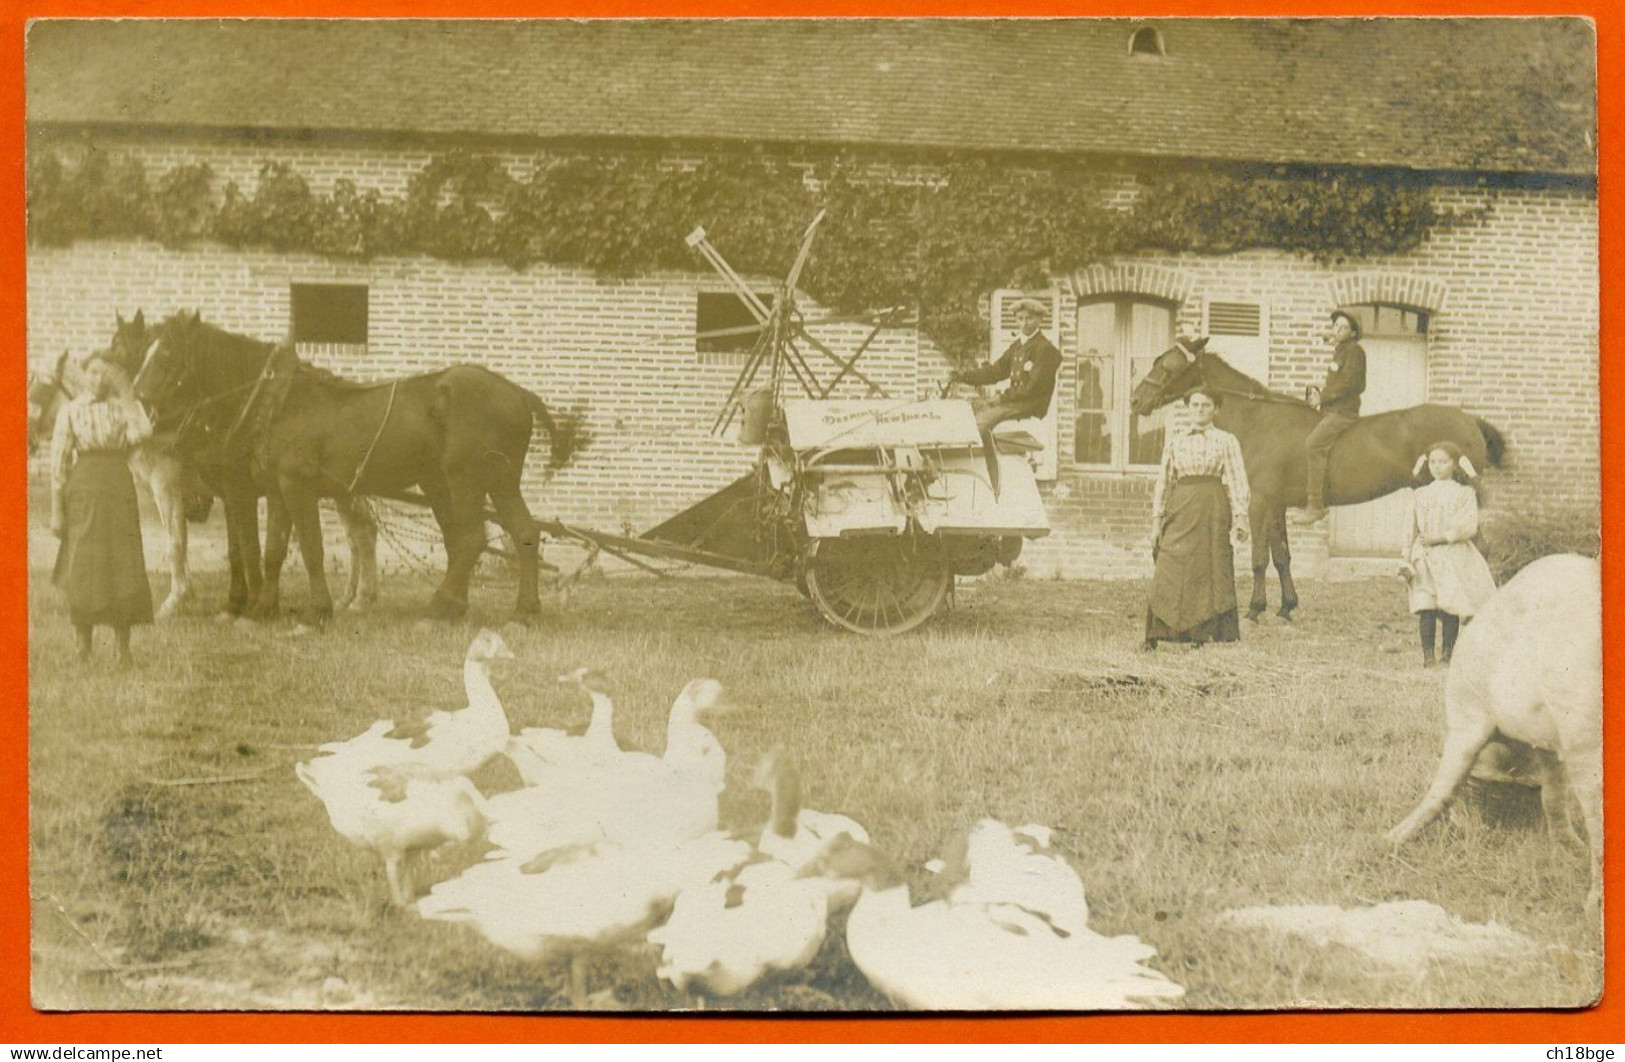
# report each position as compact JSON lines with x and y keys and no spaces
{"x":935,"y":241}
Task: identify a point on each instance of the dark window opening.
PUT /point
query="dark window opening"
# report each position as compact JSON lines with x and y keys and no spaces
{"x":1385,"y":319}
{"x":723,"y":324}
{"x":1146,"y":41}
{"x":329,"y":313}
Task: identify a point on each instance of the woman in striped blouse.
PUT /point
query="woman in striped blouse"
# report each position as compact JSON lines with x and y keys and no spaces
{"x":100,"y":566}
{"x":1200,"y":501}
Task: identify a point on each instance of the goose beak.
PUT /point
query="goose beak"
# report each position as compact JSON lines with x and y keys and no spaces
{"x":489,"y":645}
{"x":592,"y":683}
{"x":721,"y":703}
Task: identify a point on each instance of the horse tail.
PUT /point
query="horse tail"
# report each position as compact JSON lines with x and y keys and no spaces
{"x":564,"y":432}
{"x":1495,"y":444}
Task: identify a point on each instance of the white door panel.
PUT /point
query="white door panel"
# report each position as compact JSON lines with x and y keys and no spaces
{"x":1396,"y":377}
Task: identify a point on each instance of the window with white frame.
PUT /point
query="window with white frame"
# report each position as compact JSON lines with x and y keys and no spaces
{"x":1118,"y":340}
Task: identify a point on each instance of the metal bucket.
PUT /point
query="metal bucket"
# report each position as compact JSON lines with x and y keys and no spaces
{"x":758,"y":407}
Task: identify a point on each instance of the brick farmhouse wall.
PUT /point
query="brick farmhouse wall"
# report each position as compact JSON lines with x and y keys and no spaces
{"x":1512,"y":298}
{"x":1513,"y":338}
{"x":624,"y":350}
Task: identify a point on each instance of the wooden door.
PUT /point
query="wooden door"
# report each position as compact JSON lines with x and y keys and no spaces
{"x":1396,"y":377}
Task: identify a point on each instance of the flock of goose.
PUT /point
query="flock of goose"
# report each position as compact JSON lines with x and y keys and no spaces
{"x":605,"y":848}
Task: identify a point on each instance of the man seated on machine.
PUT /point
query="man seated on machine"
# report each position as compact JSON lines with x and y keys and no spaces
{"x":1030,"y":365}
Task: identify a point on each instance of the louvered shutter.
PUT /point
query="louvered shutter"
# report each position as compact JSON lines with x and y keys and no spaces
{"x":1239,"y":331}
{"x":1003,"y":330}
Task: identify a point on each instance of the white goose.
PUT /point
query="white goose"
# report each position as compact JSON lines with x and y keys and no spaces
{"x":634,"y":800}
{"x":726,"y":934}
{"x":574,"y":900}
{"x":1016,"y":867}
{"x":396,"y":809}
{"x":690,"y":746}
{"x":537,"y":750}
{"x":796,"y":835}
{"x":945,"y":955}
{"x":400,"y":789}
{"x":443,"y":743}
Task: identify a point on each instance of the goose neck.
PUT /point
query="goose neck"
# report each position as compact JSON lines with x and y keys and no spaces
{"x":477,"y":684}
{"x":786,"y":810}
{"x":601,"y":727}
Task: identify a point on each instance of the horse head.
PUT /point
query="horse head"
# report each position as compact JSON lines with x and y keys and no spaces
{"x":168,"y":378}
{"x":1174,"y":372}
{"x":45,"y":396}
{"x":132,"y":343}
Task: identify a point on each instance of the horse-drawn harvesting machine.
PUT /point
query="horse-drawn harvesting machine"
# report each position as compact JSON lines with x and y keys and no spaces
{"x":871,"y":506}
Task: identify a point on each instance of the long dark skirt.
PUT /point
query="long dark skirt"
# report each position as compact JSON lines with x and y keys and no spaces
{"x":101,"y":566}
{"x":1193,"y":595}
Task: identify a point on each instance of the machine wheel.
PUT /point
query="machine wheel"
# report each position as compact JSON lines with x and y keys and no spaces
{"x":878,"y":584}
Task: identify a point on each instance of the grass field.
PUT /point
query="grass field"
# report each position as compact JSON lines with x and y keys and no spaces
{"x":177,"y":863}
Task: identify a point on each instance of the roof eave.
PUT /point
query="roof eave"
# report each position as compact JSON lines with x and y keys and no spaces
{"x":924,"y":149}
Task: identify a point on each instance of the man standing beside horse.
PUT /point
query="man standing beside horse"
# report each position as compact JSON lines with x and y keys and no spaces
{"x":1339,"y":405}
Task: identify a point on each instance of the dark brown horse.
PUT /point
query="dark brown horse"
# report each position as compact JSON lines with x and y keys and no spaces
{"x":460,"y":435}
{"x":185,"y":478}
{"x":1374,"y":458}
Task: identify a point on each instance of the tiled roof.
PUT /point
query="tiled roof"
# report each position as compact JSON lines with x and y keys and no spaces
{"x":1504,"y":95}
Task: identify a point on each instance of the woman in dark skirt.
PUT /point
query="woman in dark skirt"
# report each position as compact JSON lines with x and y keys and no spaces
{"x":101,"y":566}
{"x":1200,"y":501}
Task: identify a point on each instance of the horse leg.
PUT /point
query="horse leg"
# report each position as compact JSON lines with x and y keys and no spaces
{"x":1282,"y":552}
{"x":169,"y":489}
{"x":161,"y":474}
{"x":361,"y":585}
{"x":1258,"y":526}
{"x":515,"y":518}
{"x":237,"y":595}
{"x":243,"y":547}
{"x":278,"y":528}
{"x":460,"y":514}
{"x":306,"y":517}
{"x":253,"y":558}
{"x":352,"y":577}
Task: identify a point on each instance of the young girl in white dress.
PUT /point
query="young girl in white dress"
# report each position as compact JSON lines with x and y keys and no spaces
{"x":1449,"y":579}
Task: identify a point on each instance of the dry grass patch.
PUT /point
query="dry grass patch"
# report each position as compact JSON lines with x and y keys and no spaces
{"x":1181,"y":784}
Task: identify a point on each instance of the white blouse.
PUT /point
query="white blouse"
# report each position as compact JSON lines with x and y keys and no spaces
{"x":1203,"y":452}
{"x":85,"y":424}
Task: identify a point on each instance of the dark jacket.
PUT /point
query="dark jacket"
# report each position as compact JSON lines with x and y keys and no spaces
{"x":1345,"y":380}
{"x":1030,"y":367}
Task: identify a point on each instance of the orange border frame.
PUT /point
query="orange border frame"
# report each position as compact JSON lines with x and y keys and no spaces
{"x":20,"y":1024}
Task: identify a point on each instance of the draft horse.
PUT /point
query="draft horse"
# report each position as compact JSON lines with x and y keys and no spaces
{"x":181,"y":489}
{"x":1374,"y":458}
{"x":459,"y":435}
{"x":182,"y":466}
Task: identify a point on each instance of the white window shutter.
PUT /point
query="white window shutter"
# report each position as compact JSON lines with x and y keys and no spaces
{"x":1238,"y":330}
{"x":1003,"y":329}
